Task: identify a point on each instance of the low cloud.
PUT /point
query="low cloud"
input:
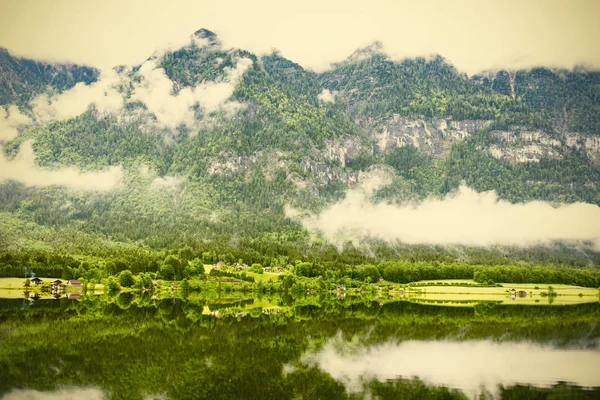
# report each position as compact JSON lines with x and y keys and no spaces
{"x":60,"y":394}
{"x":167,"y":183}
{"x":469,"y":365}
{"x":23,"y":169}
{"x":327,"y":96}
{"x":462,"y":218}
{"x":10,"y":121}
{"x":103,"y":94}
{"x":172,"y":110}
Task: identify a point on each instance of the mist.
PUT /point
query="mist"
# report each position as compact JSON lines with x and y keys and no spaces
{"x":474,"y":35}
{"x":24,"y":170}
{"x":172,"y":110}
{"x":103,"y":94}
{"x":469,"y":366}
{"x":465,"y":217}
{"x":10,"y":121}
{"x":67,"y":393}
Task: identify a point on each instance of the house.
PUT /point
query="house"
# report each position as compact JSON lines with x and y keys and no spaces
{"x":74,"y":283}
{"x":56,"y":283}
{"x":512,"y":291}
{"x":280,"y":268}
{"x":219,"y":265}
{"x":34,"y":296}
{"x":522,"y":293}
{"x":73,"y":296}
{"x":35,"y":280}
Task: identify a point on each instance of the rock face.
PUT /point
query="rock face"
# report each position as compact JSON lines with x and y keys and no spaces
{"x":328,"y":164}
{"x":346,"y":148}
{"x":432,"y":137}
{"x":532,"y":146}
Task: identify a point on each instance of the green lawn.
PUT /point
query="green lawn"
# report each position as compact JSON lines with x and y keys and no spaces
{"x":447,"y":295}
{"x":265,"y":276}
{"x":18,"y":283}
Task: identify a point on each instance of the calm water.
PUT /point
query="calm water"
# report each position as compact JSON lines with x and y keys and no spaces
{"x":280,"y":347}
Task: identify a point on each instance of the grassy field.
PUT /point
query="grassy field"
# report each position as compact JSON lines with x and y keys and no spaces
{"x":18,"y":283}
{"x":533,"y":288}
{"x":454,"y":295}
{"x":11,"y":293}
{"x":265,"y":276}
{"x":456,"y":299}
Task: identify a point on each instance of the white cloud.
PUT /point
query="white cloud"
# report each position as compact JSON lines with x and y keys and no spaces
{"x":103,"y":94}
{"x":10,"y":121}
{"x":167,"y":183}
{"x":471,"y":33}
{"x":463,"y":218}
{"x":466,"y":365}
{"x":326,"y":96}
{"x":60,"y":394}
{"x":23,"y":169}
{"x":156,"y":91}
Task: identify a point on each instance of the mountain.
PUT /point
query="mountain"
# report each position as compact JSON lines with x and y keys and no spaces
{"x":21,"y":79}
{"x":212,"y":145}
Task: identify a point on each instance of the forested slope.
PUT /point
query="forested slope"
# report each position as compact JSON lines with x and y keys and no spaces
{"x":287,"y":136}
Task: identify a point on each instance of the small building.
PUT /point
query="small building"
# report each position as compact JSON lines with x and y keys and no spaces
{"x":74,"y":283}
{"x":512,"y":291}
{"x":219,"y":265}
{"x":56,"y":283}
{"x":522,"y":293}
{"x":73,"y":296}
{"x":35,"y":296}
{"x":35,"y":280}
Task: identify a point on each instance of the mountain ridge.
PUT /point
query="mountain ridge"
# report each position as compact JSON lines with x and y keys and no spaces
{"x":282,"y":136}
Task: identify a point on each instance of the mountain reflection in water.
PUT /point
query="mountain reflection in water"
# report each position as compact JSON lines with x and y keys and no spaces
{"x":287,"y":347}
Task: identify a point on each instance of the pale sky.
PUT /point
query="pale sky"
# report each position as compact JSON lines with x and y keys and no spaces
{"x":473,"y":35}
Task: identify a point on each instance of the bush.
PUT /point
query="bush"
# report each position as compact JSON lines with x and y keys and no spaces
{"x":113,"y":285}
{"x":126,"y":279}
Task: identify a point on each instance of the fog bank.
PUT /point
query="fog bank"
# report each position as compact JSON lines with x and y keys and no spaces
{"x":10,"y":121}
{"x":69,"y":393}
{"x":462,"y":218}
{"x":24,"y":170}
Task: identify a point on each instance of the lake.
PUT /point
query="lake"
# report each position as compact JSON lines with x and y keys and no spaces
{"x":234,"y":346}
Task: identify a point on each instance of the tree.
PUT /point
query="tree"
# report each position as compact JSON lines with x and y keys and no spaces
{"x":113,"y":285}
{"x":167,"y":272}
{"x":126,"y":278}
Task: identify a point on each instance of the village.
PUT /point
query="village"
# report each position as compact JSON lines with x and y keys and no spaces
{"x":71,"y":289}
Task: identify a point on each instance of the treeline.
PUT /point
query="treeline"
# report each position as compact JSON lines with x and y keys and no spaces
{"x":407,"y":272}
{"x":332,"y":266}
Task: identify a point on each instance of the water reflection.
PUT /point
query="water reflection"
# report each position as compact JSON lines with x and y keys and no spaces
{"x":284,"y":347}
{"x":475,"y":367}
